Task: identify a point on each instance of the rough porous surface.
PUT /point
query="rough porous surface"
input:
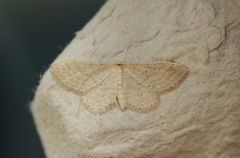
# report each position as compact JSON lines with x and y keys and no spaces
{"x":199,"y":119}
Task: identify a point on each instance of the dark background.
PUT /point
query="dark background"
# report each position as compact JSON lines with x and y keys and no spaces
{"x":32,"y":34}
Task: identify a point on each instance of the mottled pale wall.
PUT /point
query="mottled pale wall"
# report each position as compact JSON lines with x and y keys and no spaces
{"x":199,"y":119}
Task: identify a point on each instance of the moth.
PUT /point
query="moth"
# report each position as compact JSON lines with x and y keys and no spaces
{"x":101,"y":87}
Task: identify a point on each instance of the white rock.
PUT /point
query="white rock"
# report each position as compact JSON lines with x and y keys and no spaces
{"x":200,"y":119}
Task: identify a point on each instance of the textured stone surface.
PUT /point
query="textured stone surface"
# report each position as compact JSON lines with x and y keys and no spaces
{"x":199,"y":119}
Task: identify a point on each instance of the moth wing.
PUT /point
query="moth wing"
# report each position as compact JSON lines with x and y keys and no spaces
{"x":138,"y":97}
{"x":102,"y":97}
{"x":144,"y":83}
{"x":79,"y":77}
{"x":94,"y":83}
